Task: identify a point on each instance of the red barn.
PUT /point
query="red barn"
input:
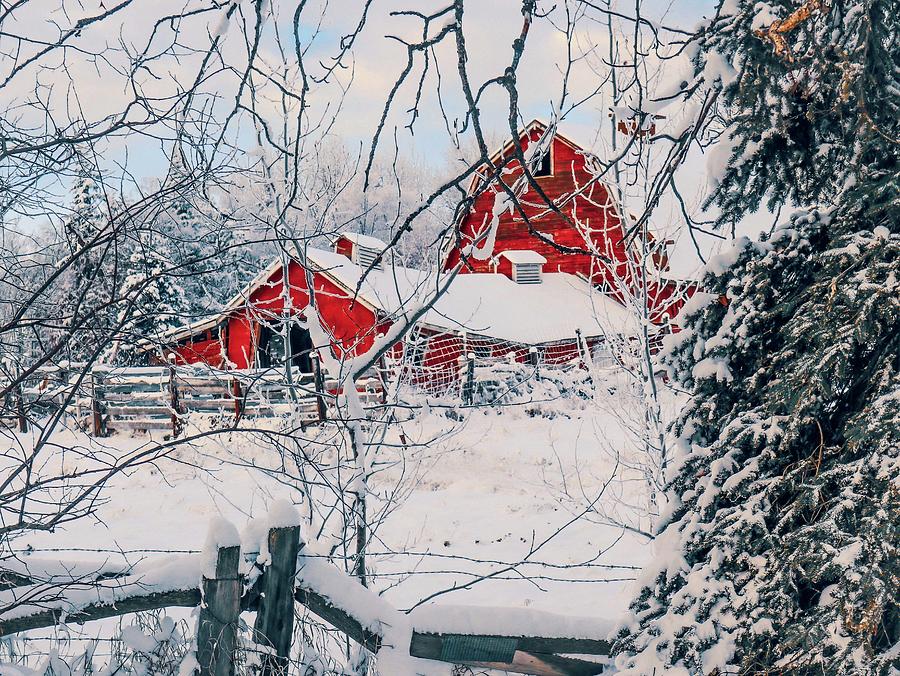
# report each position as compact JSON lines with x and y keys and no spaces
{"x":528,"y":300}
{"x":583,"y":235}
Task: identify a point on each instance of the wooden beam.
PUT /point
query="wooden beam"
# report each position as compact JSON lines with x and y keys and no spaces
{"x":518,"y":654}
{"x":217,"y":625}
{"x":538,"y":664}
{"x":184,"y":598}
{"x":319,"y":605}
{"x":428,"y":644}
{"x":274,"y":626}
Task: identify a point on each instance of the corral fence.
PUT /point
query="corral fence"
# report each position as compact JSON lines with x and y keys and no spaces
{"x":232,"y":581}
{"x":110,"y":399}
{"x":472,"y":370}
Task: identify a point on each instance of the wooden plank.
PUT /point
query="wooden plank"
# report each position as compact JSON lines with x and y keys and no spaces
{"x":131,"y":388}
{"x":139,"y":424}
{"x":538,"y":664}
{"x":160,"y":397}
{"x":183,"y":598}
{"x":274,"y":625}
{"x":219,"y":614}
{"x":336,"y":617}
{"x":526,"y":655}
{"x":218,"y":389}
{"x":114,"y":410}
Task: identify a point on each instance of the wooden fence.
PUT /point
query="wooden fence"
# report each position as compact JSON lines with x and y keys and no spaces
{"x":107,"y":400}
{"x":282,"y":582}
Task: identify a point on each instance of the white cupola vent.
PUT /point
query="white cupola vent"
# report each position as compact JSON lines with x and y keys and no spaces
{"x":523,"y":267}
{"x":361,"y":249}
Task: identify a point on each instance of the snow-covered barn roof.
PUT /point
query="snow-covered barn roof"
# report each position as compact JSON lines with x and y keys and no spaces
{"x":494,"y":305}
{"x":490,"y":305}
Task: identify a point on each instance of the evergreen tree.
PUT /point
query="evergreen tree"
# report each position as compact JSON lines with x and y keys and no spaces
{"x":88,"y":286}
{"x":208,"y":256}
{"x":153,"y":303}
{"x":780,"y":551}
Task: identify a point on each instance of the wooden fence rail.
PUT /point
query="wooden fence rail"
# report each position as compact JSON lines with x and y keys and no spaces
{"x":107,"y":400}
{"x":273,"y":594}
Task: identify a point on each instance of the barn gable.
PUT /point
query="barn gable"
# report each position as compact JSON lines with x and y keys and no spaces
{"x":568,"y":173}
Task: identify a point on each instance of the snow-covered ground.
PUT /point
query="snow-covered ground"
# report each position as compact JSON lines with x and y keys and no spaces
{"x":491,"y":510}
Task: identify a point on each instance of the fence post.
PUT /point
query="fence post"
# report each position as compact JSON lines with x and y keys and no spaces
{"x":173,"y":403}
{"x":274,"y":625}
{"x":98,"y":421}
{"x":320,"y":388}
{"x":535,"y":361}
{"x":238,"y":395}
{"x":219,"y":612}
{"x":20,"y":408}
{"x":469,"y":385}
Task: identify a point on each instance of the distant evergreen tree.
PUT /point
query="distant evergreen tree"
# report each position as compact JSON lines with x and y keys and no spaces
{"x":780,"y":552}
{"x":88,"y":286}
{"x":209,"y":257}
{"x":152,"y":304}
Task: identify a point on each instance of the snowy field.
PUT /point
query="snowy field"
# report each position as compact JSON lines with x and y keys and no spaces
{"x":498,"y":509}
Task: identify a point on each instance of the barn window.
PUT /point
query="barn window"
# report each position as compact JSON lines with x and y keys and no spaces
{"x":546,"y":166}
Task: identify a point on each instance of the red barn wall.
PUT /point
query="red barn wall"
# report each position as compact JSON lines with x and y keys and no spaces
{"x":352,"y":325}
{"x":594,"y":211}
{"x":201,"y":349}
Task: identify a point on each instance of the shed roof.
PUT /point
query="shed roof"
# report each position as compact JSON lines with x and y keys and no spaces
{"x":523,"y":256}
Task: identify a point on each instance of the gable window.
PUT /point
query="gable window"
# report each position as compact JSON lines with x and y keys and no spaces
{"x":546,"y":166}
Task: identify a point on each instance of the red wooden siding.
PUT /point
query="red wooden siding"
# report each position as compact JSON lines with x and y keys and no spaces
{"x":593,"y":211}
{"x":587,"y":220}
{"x":352,"y":325}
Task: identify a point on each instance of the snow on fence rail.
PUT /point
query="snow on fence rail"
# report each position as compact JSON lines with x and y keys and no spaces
{"x":269,"y":577}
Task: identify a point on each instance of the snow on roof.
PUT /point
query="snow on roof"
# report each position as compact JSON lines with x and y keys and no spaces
{"x":490,"y":305}
{"x":523,"y":256}
{"x":364,"y":240}
{"x":387,"y":289}
{"x":493,"y":305}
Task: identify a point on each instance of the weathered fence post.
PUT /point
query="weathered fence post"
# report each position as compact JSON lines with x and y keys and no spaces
{"x":219,"y":612}
{"x":274,"y":625}
{"x":535,"y":361}
{"x":98,"y":419}
{"x":238,"y":394}
{"x":320,"y":388}
{"x":469,"y":385}
{"x":173,"y":402}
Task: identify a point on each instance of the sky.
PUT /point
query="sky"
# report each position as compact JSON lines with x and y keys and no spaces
{"x":89,"y":82}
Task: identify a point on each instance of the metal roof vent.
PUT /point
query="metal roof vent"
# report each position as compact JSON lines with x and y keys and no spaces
{"x":361,"y":249}
{"x":366,"y":256}
{"x":527,"y":273}
{"x":525,"y":267}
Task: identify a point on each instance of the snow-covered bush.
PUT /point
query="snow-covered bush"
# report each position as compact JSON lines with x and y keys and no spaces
{"x":147,"y":644}
{"x":540,"y":390}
